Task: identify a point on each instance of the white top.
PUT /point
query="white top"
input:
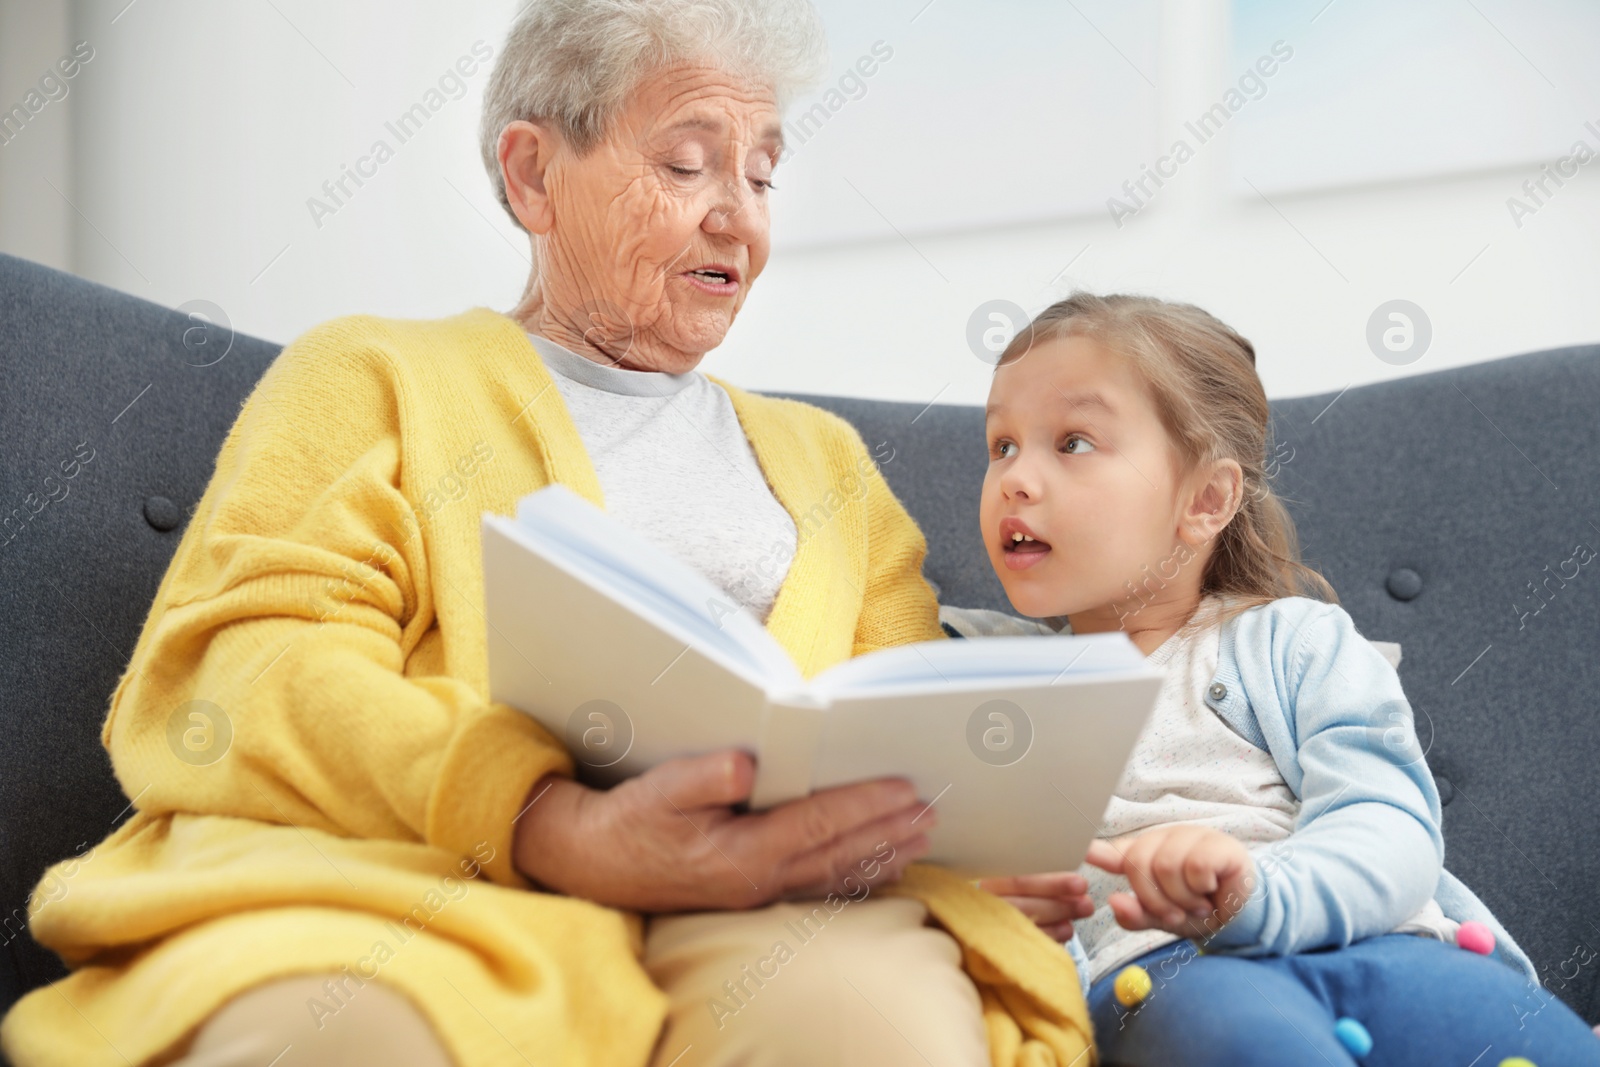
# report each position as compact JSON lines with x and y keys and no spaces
{"x":1190,"y":766}
{"x":674,"y":465}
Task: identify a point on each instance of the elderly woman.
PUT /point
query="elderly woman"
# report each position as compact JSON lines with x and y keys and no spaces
{"x":343,"y":851}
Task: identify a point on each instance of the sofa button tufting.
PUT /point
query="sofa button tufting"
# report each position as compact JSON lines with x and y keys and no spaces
{"x":1218,"y":690}
{"x":1447,"y":792}
{"x":1404,"y":584}
{"x":162,"y":513}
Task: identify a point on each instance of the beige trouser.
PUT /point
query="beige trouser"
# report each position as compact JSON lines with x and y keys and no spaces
{"x":861,"y":982}
{"x":271,"y":1024}
{"x":870,"y":983}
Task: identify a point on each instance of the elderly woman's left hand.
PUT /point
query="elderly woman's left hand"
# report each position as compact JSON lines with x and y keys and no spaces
{"x":669,"y":840}
{"x":1051,"y":900}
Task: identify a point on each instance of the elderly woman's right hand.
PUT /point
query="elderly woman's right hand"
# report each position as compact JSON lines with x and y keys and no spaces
{"x":669,"y":840}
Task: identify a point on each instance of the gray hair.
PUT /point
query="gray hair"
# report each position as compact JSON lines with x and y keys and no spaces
{"x":574,"y":62}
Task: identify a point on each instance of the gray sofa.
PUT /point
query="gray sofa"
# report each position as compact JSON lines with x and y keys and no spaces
{"x":1440,"y":506}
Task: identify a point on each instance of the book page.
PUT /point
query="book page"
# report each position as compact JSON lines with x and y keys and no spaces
{"x":978,"y":661}
{"x":584,"y":540}
{"x":1020,"y":774}
{"x":622,"y":690}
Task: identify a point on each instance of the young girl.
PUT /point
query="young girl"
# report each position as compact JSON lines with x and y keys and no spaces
{"x":1269,"y":872}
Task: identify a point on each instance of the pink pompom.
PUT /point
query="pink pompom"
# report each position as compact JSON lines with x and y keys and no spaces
{"x":1475,"y":937}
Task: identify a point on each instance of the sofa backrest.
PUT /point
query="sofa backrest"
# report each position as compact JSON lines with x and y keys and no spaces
{"x":111,"y":414}
{"x":1431,"y":503}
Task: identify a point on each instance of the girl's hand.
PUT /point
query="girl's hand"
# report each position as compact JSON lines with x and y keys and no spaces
{"x":1050,"y":900}
{"x":1186,"y":880}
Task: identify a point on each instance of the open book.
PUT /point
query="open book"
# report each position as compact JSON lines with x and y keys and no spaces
{"x":632,"y":657}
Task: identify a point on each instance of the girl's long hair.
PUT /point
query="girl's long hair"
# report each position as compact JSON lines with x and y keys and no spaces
{"x":1201,"y":376}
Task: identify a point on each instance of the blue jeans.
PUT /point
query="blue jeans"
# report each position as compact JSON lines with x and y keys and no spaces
{"x":1423,"y":1001}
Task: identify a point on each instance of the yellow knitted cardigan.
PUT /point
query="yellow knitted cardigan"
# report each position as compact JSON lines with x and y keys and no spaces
{"x":321,"y":627}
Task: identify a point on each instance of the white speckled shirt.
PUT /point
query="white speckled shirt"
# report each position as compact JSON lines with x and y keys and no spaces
{"x":675,"y":465}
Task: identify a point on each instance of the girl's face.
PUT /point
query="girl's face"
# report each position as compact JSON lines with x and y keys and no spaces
{"x":1079,"y":460}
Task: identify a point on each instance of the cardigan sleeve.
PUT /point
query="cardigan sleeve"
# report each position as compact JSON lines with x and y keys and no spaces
{"x":898,"y":604}
{"x":1367,"y":847}
{"x":271,"y":679}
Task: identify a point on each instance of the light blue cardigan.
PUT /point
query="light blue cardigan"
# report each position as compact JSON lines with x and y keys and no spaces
{"x":1295,"y":677}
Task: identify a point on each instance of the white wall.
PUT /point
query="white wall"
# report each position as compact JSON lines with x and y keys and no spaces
{"x":36,"y":222}
{"x":191,"y":142}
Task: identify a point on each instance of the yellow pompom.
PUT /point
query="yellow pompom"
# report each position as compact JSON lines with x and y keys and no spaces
{"x":1517,"y":1061}
{"x":1132,"y":985}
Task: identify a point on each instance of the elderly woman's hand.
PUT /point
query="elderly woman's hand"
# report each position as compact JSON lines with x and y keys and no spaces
{"x":668,"y":840}
{"x":1052,"y":900}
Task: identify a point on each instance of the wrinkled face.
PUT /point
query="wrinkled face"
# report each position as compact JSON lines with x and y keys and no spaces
{"x":1093,"y":481}
{"x":660,"y":231}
